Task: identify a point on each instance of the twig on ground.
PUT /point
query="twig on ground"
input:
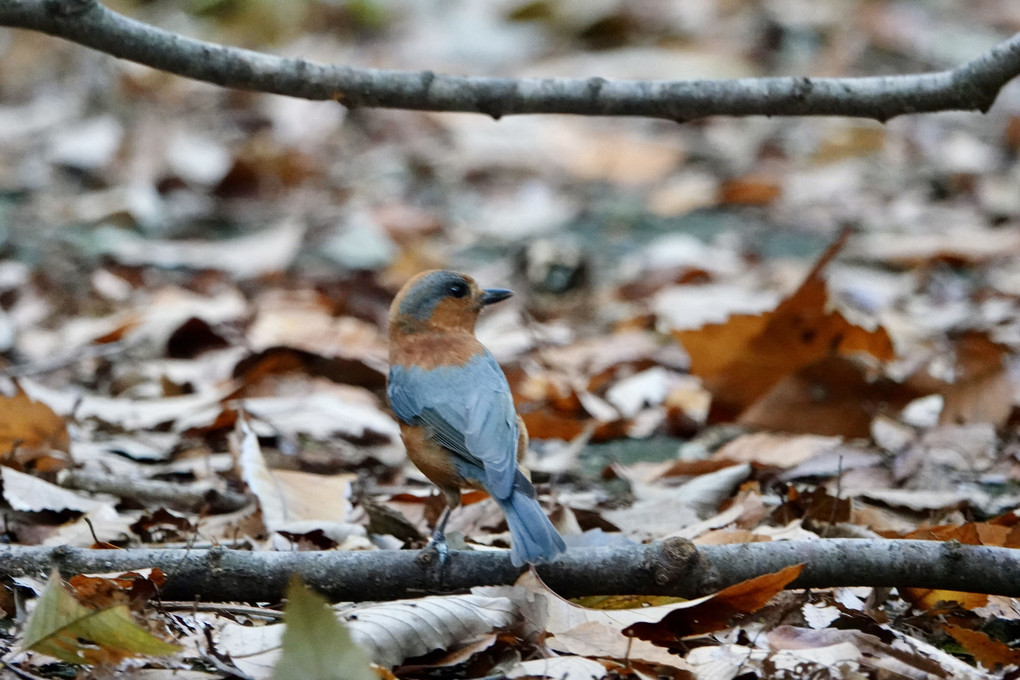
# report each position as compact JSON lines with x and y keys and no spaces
{"x":189,"y":497}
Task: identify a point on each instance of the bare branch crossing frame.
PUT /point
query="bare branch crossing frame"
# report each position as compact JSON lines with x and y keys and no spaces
{"x":972,"y":86}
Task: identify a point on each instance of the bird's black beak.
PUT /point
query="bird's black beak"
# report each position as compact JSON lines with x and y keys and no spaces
{"x":494,"y":295}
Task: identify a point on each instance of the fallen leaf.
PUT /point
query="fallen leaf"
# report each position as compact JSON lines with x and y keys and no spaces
{"x":714,"y":612}
{"x":742,"y":359}
{"x":279,"y":360}
{"x":62,"y":627}
{"x":393,"y":631}
{"x":892,"y":654}
{"x":775,"y":450}
{"x":987,"y":651}
{"x":31,"y":494}
{"x":316,"y":646}
{"x":831,"y":397}
{"x":750,"y":190}
{"x":131,"y":588}
{"x":29,"y":431}
{"x":815,"y":505}
{"x":979,"y":389}
{"x":248,"y":256}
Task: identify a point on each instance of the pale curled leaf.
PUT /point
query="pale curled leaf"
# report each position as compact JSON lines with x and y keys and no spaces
{"x":128,"y":414}
{"x":257,"y":476}
{"x":254,"y":650}
{"x":30,"y":494}
{"x":322,"y":415}
{"x":245,"y":257}
{"x":598,"y":640}
{"x":568,"y":667}
{"x":291,"y":500}
{"x":312,"y":497}
{"x":393,"y":631}
{"x":388,"y":632}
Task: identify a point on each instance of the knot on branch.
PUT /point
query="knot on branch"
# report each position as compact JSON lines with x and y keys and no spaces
{"x":678,"y":566}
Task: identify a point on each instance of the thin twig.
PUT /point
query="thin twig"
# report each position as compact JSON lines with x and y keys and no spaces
{"x":218,"y":608}
{"x":190,"y":497}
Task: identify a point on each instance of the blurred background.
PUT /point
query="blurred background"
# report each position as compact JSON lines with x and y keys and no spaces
{"x":100,"y":157}
{"x":134,"y":203}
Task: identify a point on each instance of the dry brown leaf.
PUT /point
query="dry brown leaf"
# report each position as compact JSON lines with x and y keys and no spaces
{"x":831,"y":397}
{"x":30,"y":431}
{"x":131,"y":588}
{"x":928,"y":599}
{"x":714,"y":612}
{"x":987,"y":651}
{"x":281,"y":360}
{"x":306,"y":320}
{"x":815,"y":505}
{"x":598,"y":640}
{"x":546,"y":424}
{"x":742,"y":359}
{"x":980,"y":390}
{"x":775,"y":450}
{"x":750,"y":190}
{"x":693,"y":468}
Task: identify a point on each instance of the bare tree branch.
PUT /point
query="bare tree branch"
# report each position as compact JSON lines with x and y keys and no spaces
{"x":673,"y":567}
{"x":971,"y":86}
{"x":188,"y":497}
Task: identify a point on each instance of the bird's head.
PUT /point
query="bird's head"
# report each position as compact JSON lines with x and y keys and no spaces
{"x":440,"y":299}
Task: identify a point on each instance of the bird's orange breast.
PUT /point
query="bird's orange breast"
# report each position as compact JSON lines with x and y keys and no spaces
{"x":433,"y":349}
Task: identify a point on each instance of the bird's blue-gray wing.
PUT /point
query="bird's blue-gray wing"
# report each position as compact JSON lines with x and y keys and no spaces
{"x":469,"y":410}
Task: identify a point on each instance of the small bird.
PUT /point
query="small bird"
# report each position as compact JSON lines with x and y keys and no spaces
{"x":457,"y":417}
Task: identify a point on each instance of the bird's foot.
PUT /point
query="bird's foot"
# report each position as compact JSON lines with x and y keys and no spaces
{"x":436,"y":549}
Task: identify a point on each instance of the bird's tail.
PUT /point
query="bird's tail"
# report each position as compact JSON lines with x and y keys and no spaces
{"x":533,"y":538}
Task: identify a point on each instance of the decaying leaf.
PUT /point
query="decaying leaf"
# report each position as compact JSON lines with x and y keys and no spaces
{"x":393,"y":631}
{"x":989,"y":652}
{"x":133,"y":588}
{"x":316,"y":646}
{"x":31,"y":494}
{"x":978,"y":389}
{"x":714,"y":612}
{"x":62,"y":627}
{"x":776,"y":450}
{"x":742,"y":359}
{"x":30,"y":431}
{"x":299,"y":505}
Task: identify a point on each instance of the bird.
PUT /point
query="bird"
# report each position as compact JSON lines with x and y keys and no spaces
{"x":457,"y":415}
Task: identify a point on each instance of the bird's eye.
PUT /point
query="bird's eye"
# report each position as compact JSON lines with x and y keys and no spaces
{"x":458,"y":289}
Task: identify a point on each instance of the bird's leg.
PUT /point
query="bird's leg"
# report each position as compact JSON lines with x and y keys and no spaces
{"x":437,"y":543}
{"x":438,"y":540}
